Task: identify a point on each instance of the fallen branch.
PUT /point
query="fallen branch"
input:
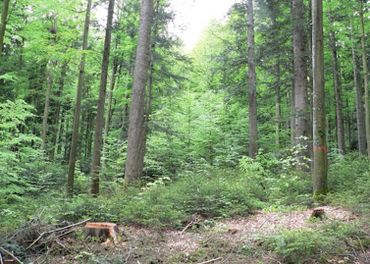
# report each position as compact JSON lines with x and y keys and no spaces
{"x":211,"y":261}
{"x":11,"y":254}
{"x":190,"y":224}
{"x":55,"y":231}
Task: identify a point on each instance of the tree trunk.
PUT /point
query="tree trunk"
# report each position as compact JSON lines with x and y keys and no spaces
{"x":300,"y":77}
{"x":277,"y":105}
{"x":252,"y":91}
{"x":4,"y":20}
{"x":98,"y":140}
{"x":337,"y":91}
{"x":360,"y":115}
{"x":57,"y":114}
{"x":319,"y":123}
{"x":366,"y":78}
{"x":77,"y":112}
{"x":45,"y":117}
{"x":135,"y":155}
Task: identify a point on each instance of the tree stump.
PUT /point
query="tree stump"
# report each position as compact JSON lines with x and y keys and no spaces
{"x":318,"y":213}
{"x":102,"y":231}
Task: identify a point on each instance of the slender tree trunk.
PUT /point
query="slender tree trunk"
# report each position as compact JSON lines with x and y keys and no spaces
{"x":108,"y":115}
{"x":4,"y":20}
{"x":252,"y":90}
{"x":366,"y":77}
{"x":110,"y":99}
{"x":277,"y":105}
{"x":59,"y":130}
{"x":319,"y":123}
{"x":360,"y":115}
{"x":300,"y":77}
{"x":337,"y":92}
{"x":135,"y":155}
{"x":57,"y":114}
{"x":292,"y":114}
{"x":77,"y":112}
{"x":45,"y":117}
{"x":98,"y":140}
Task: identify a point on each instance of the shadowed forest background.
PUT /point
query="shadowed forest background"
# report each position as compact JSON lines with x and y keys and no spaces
{"x":111,"y":120}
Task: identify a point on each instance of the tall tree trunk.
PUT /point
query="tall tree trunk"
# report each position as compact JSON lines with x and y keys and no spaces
{"x":135,"y":155}
{"x":77,"y":112}
{"x":4,"y":20}
{"x":45,"y":116}
{"x":337,"y":91}
{"x":291,"y":98}
{"x":110,"y":99}
{"x":57,"y":114}
{"x":360,"y":115}
{"x":98,"y":140}
{"x":300,"y":77}
{"x":58,"y":133}
{"x":277,"y":104}
{"x":366,"y":77}
{"x":252,"y":90}
{"x":319,"y":123}
{"x":109,"y":112}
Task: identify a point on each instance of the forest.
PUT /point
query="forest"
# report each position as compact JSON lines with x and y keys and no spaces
{"x":118,"y":145}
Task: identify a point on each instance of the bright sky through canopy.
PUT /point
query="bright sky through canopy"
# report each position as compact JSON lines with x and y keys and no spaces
{"x":193,"y":17}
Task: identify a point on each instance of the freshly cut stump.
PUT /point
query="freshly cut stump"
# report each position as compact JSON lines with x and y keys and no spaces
{"x":103,"y":231}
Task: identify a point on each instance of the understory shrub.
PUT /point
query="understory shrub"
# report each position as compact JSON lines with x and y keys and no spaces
{"x":309,"y":245}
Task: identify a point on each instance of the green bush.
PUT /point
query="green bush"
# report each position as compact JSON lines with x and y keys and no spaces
{"x":310,"y":245}
{"x":164,"y":204}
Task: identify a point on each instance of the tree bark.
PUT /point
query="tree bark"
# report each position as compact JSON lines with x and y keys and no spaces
{"x":57,"y":114}
{"x":77,"y":112}
{"x":4,"y":20}
{"x":45,"y":117}
{"x":98,"y":137}
{"x":252,"y":91}
{"x":360,"y":115}
{"x":337,"y":90}
{"x":366,"y":77}
{"x":300,"y":77}
{"x":319,"y":123}
{"x":135,"y":155}
{"x":277,"y":104}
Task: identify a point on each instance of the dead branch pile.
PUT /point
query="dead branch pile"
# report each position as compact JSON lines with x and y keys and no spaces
{"x":36,"y":237}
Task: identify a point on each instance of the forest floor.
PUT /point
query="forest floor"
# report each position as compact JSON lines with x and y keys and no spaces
{"x":236,"y":240}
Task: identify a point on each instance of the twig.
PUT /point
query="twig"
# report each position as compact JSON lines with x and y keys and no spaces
{"x":187,"y":226}
{"x":191,"y":223}
{"x":268,"y":219}
{"x":11,"y":254}
{"x":210,"y":261}
{"x":56,"y":230}
{"x":1,"y":259}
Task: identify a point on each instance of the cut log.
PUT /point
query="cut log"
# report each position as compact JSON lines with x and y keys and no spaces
{"x":318,"y":213}
{"x":103,"y":231}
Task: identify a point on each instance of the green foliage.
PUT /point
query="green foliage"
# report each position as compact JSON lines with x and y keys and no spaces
{"x":349,"y":181}
{"x":309,"y":245}
{"x":276,"y":180}
{"x":164,"y":204}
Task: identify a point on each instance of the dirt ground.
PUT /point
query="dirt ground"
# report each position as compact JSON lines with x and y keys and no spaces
{"x":225,"y":241}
